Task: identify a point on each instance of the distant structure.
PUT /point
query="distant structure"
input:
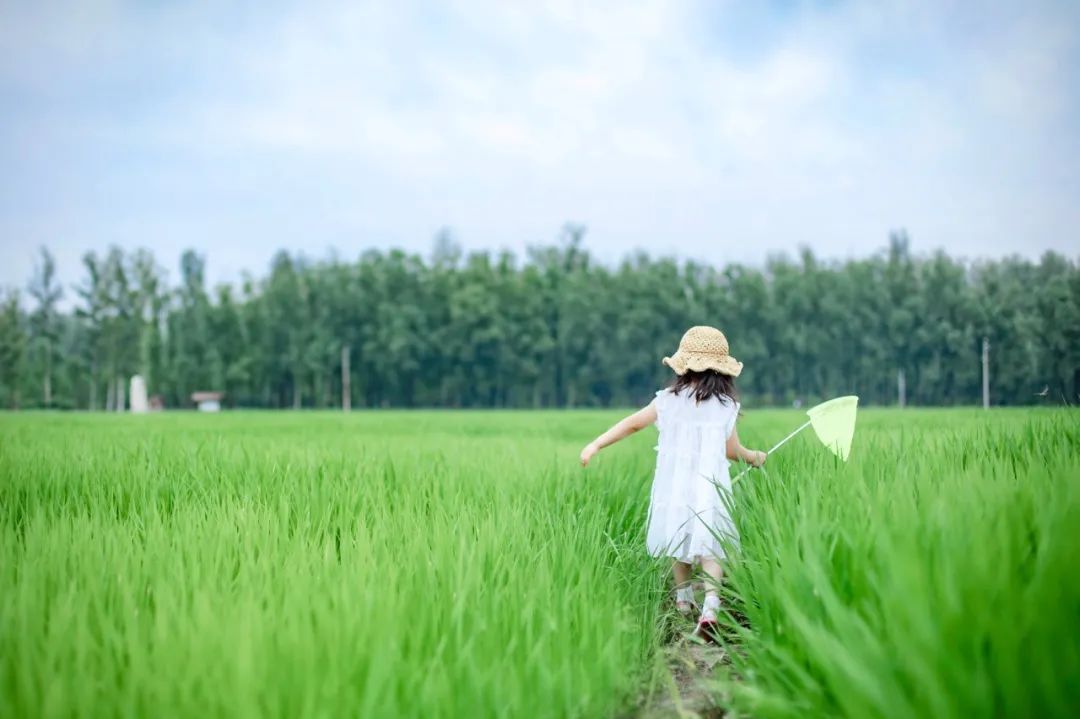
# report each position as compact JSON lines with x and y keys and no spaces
{"x":139,"y":403}
{"x":207,"y":401}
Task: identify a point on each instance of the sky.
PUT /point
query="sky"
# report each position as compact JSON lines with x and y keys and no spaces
{"x":718,"y":131}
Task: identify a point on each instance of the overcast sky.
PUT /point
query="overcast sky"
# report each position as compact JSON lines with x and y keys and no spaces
{"x":715,"y":130}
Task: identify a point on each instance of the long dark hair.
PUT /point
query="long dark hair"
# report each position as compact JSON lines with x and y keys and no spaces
{"x":705,"y":385}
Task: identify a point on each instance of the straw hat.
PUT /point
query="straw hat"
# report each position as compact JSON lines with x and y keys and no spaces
{"x":703,"y":348}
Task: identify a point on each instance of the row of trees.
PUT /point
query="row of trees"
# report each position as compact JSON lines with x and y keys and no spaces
{"x":557,"y":329}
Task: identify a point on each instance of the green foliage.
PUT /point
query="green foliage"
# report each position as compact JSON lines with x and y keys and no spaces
{"x":460,"y":564}
{"x":935,"y":574}
{"x":44,"y":325}
{"x":13,"y":338}
{"x":558,"y":329}
{"x":319,"y":565}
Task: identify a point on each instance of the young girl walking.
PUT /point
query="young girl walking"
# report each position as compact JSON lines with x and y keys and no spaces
{"x":696,"y":419}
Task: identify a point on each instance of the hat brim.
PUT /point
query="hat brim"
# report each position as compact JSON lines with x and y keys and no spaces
{"x":680,"y":362}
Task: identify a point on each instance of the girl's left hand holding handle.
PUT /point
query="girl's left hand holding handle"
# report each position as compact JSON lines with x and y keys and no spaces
{"x":588,"y":453}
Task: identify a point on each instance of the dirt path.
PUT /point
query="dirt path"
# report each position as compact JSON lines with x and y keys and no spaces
{"x":691,"y":690}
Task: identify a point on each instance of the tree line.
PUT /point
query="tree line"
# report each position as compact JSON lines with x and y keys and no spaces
{"x":556,"y":328}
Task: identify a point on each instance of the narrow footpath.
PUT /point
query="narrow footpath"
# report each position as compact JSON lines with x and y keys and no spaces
{"x":691,"y":690}
{"x":693,"y":687}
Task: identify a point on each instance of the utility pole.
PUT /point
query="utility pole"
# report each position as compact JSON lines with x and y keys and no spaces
{"x":986,"y":372}
{"x":346,"y":395}
{"x":901,"y":388}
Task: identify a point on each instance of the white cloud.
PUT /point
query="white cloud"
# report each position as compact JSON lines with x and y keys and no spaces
{"x":379,"y":122}
{"x":1024,"y":77}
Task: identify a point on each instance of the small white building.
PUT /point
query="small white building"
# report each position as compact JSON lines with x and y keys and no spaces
{"x":137,"y":396}
{"x":207,"y":401}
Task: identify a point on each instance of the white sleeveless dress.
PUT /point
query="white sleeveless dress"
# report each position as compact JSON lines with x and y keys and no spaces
{"x":686,"y":511}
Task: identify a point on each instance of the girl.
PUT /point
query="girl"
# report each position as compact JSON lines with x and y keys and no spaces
{"x":696,"y":419}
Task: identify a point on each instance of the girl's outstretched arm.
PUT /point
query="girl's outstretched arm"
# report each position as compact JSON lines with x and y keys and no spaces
{"x":736,"y":451}
{"x":622,"y":429}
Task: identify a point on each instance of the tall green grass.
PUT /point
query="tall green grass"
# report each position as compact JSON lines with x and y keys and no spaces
{"x":937,"y":574}
{"x":461,"y":564}
{"x":317,"y":565}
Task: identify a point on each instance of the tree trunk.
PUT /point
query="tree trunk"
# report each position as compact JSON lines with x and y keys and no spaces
{"x":121,"y":401}
{"x":93,"y":387}
{"x":296,"y":391}
{"x":346,"y":389}
{"x":109,"y":396}
{"x":901,"y":388}
{"x":47,"y":381}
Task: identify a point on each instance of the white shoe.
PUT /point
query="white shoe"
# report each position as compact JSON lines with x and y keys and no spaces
{"x":684,"y":601}
{"x":708,"y":627}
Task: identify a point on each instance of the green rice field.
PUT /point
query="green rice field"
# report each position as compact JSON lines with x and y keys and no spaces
{"x":462,"y":564}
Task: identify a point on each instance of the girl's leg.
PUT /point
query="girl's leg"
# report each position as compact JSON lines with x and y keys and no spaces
{"x":681,"y":570}
{"x":707,"y":625}
{"x":684,"y":591}
{"x":715,"y":571}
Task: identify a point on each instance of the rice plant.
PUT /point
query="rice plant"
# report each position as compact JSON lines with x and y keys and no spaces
{"x":935,"y":574}
{"x":461,"y":564}
{"x":315,"y":565}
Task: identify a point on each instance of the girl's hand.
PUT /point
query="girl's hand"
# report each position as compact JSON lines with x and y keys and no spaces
{"x":588,"y":453}
{"x":757,"y":458}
